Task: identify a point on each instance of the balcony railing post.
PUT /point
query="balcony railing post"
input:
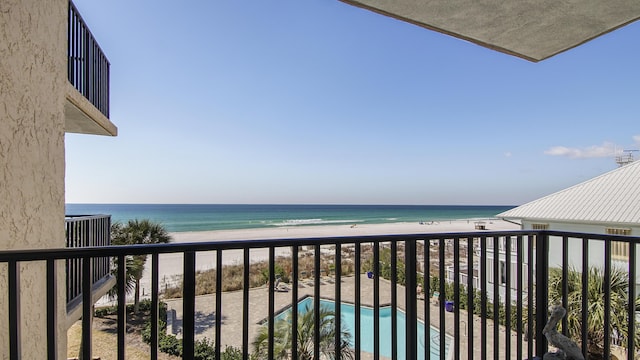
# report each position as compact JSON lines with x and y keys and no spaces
{"x":411,"y":296}
{"x":541,"y":289}
{"x":189,"y":304}
{"x":14,"y":309}
{"x":316,"y":302}
{"x":87,"y":306}
{"x":122,"y":308}
{"x":52,"y":307}
{"x":631,"y":345}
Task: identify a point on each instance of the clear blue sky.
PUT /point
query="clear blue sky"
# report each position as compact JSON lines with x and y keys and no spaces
{"x":321,"y":102}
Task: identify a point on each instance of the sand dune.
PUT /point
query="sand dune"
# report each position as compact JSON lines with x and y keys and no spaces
{"x":171,"y":265}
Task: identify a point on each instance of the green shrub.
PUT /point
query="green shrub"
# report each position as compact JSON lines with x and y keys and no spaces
{"x":169,"y":344}
{"x":279,"y":272}
{"x":204,"y":350}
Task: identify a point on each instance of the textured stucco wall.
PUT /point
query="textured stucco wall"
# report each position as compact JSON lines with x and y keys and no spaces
{"x":33,"y":38}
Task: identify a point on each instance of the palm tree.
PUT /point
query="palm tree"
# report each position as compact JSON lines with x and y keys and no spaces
{"x":595,"y":293}
{"x":283,"y":334}
{"x":137,"y":232}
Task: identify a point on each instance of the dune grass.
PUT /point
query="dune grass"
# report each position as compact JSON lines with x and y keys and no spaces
{"x":233,"y":275}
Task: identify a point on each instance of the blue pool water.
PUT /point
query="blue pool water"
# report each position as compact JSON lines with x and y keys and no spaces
{"x":366,"y":328}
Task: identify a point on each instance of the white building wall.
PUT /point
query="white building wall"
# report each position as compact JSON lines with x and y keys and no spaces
{"x":33,"y":45}
{"x":512,"y":263}
{"x":596,"y":248}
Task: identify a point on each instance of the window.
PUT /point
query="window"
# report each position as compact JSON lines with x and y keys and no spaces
{"x":540,"y":226}
{"x":619,"y":250}
{"x":618,"y":231}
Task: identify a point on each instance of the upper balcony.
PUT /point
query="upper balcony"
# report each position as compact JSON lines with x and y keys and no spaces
{"x":87,"y":105}
{"x":382,"y":279}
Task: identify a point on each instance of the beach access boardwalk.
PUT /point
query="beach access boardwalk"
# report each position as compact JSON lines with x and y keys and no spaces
{"x":231,"y":333}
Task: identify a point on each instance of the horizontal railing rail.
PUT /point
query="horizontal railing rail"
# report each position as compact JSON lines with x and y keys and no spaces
{"x":473,"y":321}
{"x":83,"y":231}
{"x":88,"y":67}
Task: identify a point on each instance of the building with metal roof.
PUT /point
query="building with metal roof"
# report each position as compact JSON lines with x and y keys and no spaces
{"x":606,"y":204}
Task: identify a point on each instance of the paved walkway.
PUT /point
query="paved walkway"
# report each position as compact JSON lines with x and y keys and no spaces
{"x":258,"y":310}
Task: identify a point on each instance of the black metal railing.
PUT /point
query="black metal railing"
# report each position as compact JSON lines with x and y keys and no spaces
{"x":88,"y":67}
{"x":480,"y":322}
{"x":84,"y":231}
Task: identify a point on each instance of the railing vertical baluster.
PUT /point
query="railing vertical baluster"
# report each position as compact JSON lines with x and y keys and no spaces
{"x":507,"y":297}
{"x":52,"y":308}
{"x":376,"y":300}
{"x":218,"y":303}
{"x":316,"y":301}
{"x":411,"y":321}
{"x":585,"y":302}
{"x":357,"y":341}
{"x":87,"y":304}
{"x":631,"y":311}
{"x":69,"y":42}
{"x":67,"y":262}
{"x":85,"y":56}
{"x":470,"y":296}
{"x":338,"y":301}
{"x":496,"y":297}
{"x":245,"y":304}
{"x":13,"y":289}
{"x":427,"y":291}
{"x":155,"y":291}
{"x":607,"y":299}
{"x":542,"y":296}
{"x":294,"y":300}
{"x":531,"y":241}
{"x":456,"y":296}
{"x":394,"y":299}
{"x":271,"y":291}
{"x":77,"y":279}
{"x":189,"y":305}
{"x":483,"y":297}
{"x":122,"y":309}
{"x":442,"y":298}
{"x":565,"y":283}
{"x":520,"y":288}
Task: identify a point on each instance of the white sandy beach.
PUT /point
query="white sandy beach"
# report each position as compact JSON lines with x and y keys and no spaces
{"x":172,"y":265}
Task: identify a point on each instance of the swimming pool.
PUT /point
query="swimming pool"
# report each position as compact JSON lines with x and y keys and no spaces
{"x":366,"y":328}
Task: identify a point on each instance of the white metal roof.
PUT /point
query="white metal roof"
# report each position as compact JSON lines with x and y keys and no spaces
{"x":613,"y":197}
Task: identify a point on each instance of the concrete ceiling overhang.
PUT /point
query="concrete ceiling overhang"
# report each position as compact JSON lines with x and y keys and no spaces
{"x":531,"y":29}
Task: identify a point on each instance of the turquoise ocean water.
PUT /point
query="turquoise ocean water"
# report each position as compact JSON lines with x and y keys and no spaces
{"x":203,"y":217}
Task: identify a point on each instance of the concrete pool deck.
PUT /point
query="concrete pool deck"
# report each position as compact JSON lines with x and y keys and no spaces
{"x":231,"y":328}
